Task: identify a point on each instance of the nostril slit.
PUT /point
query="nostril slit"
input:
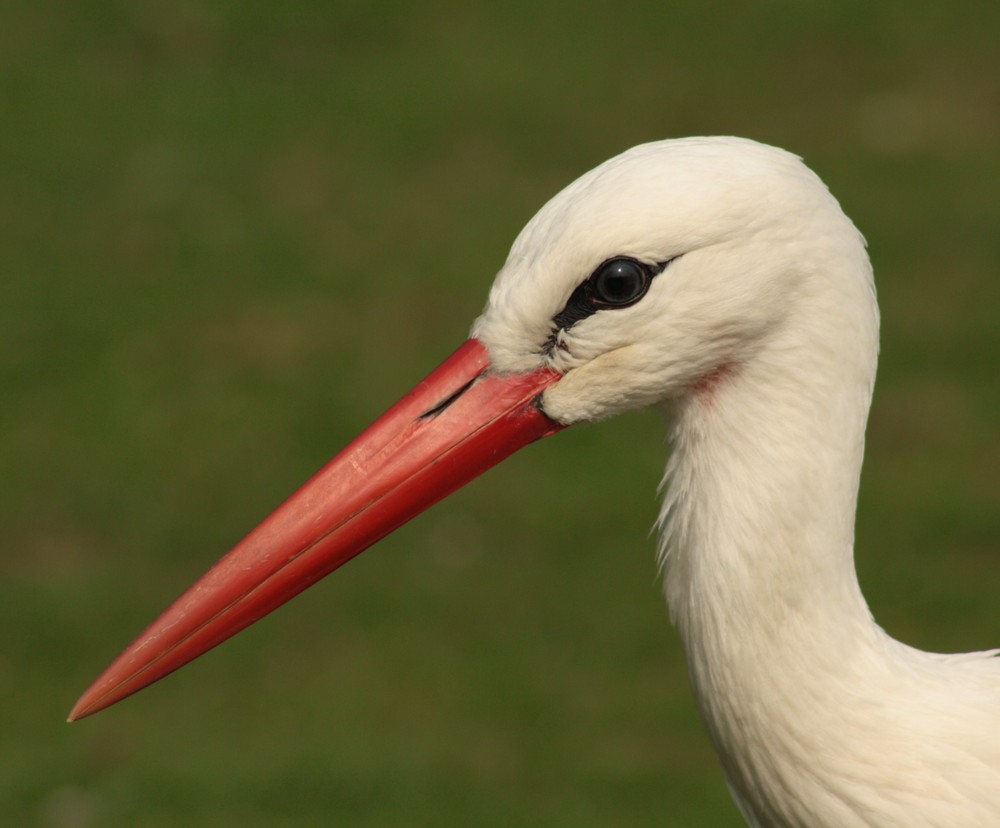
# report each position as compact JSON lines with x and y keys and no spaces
{"x":447,"y":401}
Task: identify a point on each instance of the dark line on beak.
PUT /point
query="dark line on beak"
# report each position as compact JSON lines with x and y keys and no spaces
{"x":433,"y":411}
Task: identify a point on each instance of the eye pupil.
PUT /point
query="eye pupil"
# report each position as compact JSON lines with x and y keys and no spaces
{"x":619,"y":282}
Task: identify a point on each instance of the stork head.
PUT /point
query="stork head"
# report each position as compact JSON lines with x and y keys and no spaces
{"x":658,"y":268}
{"x":632,"y":285}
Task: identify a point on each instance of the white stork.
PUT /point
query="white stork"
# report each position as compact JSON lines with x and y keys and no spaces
{"x":718,"y":277}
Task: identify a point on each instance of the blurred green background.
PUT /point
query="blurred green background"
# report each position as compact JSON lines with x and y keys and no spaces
{"x":232,"y":233}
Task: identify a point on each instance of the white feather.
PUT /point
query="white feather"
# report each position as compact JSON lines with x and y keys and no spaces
{"x":761,"y":337}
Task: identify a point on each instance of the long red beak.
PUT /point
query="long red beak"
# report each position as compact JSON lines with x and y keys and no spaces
{"x":460,"y":421}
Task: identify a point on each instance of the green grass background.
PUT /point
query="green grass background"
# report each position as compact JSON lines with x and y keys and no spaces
{"x":232,"y":233}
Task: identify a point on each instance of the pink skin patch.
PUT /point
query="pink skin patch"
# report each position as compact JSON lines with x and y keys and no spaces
{"x":706,"y":387}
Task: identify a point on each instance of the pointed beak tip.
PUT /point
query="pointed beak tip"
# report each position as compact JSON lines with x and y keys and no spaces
{"x":77,"y":712}
{"x":86,"y":706}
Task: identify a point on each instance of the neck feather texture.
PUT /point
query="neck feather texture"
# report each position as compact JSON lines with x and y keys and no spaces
{"x":803,"y":695}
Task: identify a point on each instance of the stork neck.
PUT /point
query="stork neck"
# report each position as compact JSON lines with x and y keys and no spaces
{"x":757,"y":544}
{"x":761,"y":488}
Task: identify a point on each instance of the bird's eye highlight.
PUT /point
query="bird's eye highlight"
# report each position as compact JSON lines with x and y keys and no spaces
{"x":619,"y":283}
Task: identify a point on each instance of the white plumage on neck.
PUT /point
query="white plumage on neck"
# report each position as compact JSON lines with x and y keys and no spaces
{"x":819,"y":718}
{"x":761,"y":336}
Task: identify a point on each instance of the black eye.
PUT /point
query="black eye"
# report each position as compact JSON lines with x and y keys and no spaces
{"x":619,"y":283}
